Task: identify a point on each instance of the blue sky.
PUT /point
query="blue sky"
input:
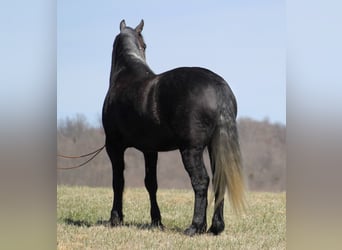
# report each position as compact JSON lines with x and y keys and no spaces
{"x":243,"y":41}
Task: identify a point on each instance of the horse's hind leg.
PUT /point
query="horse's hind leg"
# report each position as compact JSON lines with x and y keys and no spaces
{"x":117,"y":158}
{"x":194,"y":165}
{"x":217,"y":224}
{"x":152,"y":186}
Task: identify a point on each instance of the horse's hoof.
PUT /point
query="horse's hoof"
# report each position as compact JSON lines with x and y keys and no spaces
{"x":192,"y":230}
{"x":157,"y":224}
{"x":115,"y":220}
{"x":216,"y":229}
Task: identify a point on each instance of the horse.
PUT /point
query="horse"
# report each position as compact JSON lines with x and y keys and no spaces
{"x":186,"y":109}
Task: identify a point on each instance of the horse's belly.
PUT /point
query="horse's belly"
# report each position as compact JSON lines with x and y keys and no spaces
{"x":148,"y":137}
{"x":152,"y":141}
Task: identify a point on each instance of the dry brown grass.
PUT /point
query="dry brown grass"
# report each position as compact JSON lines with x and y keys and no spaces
{"x":82,"y":212}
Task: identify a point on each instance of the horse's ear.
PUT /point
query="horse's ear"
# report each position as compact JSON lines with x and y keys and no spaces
{"x":140,"y":26}
{"x":122,"y":25}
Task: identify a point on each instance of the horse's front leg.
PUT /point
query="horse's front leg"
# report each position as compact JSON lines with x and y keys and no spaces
{"x":116,"y":156}
{"x":152,"y":186}
{"x":194,"y":165}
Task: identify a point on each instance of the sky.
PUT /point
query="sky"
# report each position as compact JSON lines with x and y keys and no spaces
{"x":243,"y":41}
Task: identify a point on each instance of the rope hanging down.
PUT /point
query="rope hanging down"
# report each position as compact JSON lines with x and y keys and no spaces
{"x":94,"y":154}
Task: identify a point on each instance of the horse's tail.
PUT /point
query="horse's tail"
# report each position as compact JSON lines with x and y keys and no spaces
{"x":227,"y":166}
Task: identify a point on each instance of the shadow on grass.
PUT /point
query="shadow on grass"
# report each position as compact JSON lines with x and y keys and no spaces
{"x":106,"y":223}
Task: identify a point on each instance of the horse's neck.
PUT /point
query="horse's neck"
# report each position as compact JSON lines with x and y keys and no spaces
{"x":131,"y":68}
{"x":136,"y":67}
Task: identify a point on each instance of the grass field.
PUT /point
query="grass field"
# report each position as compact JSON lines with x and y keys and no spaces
{"x":82,"y":213}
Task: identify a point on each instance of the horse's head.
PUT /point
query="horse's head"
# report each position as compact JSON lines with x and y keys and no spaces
{"x":130,"y":43}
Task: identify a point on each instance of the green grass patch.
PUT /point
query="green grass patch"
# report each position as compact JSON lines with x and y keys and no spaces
{"x":83,"y":212}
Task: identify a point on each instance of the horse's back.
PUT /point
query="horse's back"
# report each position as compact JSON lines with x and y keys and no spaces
{"x":194,"y":76}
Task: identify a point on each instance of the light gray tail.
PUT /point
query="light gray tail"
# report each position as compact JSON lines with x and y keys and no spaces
{"x":226,"y":162}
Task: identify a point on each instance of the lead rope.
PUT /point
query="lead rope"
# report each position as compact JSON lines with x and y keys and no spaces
{"x":94,"y":154}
